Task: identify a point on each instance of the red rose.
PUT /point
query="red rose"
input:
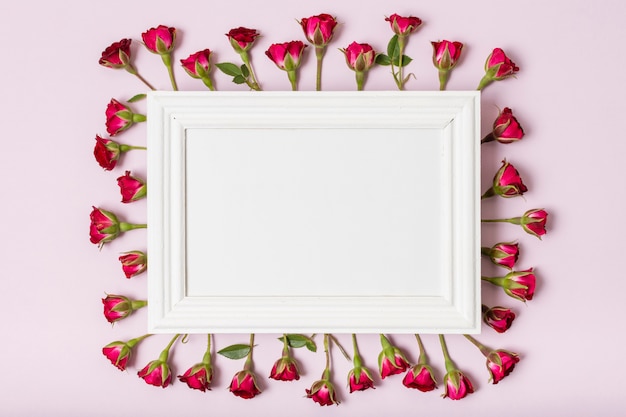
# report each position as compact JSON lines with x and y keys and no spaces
{"x":285,"y":369}
{"x":359,"y":56}
{"x":520,"y":284}
{"x":198,"y":377}
{"x":119,"y":117}
{"x":286,"y":55}
{"x":131,"y":188}
{"x":534,"y":222}
{"x":242,"y":38}
{"x":507,"y":183}
{"x":106,"y":152}
{"x":160,"y":40}
{"x":360,"y":379}
{"x":133,"y":263}
{"x":104,"y":226}
{"x":501,"y":363}
{"x":446,"y":54}
{"x":506,"y":128}
{"x":116,"y":307}
{"x":498,"y":318}
{"x":244,"y":385}
{"x":391,"y":360}
{"x":318,"y":29}
{"x":117,"y":55}
{"x":502,"y":254}
{"x":322,"y":392}
{"x":118,"y":353}
{"x":420,"y":377}
{"x":198,"y":65}
{"x":403,"y":26}
{"x":156,"y":373}
{"x":457,"y":385}
{"x":497,"y":67}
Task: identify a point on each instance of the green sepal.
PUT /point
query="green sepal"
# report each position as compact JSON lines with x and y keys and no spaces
{"x":136,"y":97}
{"x":229,"y":69}
{"x":237,"y":351}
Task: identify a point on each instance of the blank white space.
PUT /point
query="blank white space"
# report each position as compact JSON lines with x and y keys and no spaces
{"x":304,"y":212}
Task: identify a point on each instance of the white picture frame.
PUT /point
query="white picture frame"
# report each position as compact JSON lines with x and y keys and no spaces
{"x":314,"y":212}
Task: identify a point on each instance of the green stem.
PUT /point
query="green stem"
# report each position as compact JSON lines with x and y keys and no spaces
{"x":422,"y":356}
{"x":248,"y":365}
{"x":285,"y":346}
{"x":488,"y":138}
{"x":326,"y":373}
{"x":512,"y":220}
{"x":126,"y":148}
{"x":400,"y":80}
{"x":443,"y":79}
{"x":132,"y":342}
{"x":485,"y":251}
{"x":293,"y":80}
{"x":208,"y":83}
{"x":138,"y":118}
{"x":137,"y":304}
{"x":125,"y":227}
{"x":444,"y":348}
{"x":499,"y":281}
{"x":167,"y":60}
{"x":207,"y":355}
{"x":360,"y":78}
{"x":483,"y":349}
{"x":489,"y":193}
{"x":319,"y":54}
{"x":484,"y":82}
{"x":133,"y":71}
{"x":246,"y":61}
{"x":163,"y":356}
{"x":358,"y":362}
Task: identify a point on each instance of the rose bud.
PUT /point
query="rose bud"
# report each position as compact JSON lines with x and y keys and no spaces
{"x":457,"y":385}
{"x":285,"y":369}
{"x":533,"y":222}
{"x":159,"y":40}
{"x":158,"y":372}
{"x":286,"y":56}
{"x":506,"y":128}
{"x":133,"y":263}
{"x":420,"y":377}
{"x":391,"y":360}
{"x":517,"y":284}
{"x":119,"y":352}
{"x":119,"y":117}
{"x":360,"y":57}
{"x":198,"y":377}
{"x":105,"y":226}
{"x":198,"y":65}
{"x":242,"y":38}
{"x":507,"y":183}
{"x":403,"y":26}
{"x":498,"y":318}
{"x":107,"y":152}
{"x":118,"y":307}
{"x":502,"y":254}
{"x":131,"y":188}
{"x":497,"y":67}
{"x":244,"y":385}
{"x":445,"y":56}
{"x":318,"y":30}
{"x":360,"y":379}
{"x":322,"y":392}
{"x":501,"y":363}
{"x":117,"y":55}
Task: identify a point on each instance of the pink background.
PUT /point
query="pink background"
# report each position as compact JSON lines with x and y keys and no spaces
{"x":568,"y":96}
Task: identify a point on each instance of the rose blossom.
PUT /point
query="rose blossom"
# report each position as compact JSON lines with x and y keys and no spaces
{"x":534,"y":222}
{"x":516,"y":284}
{"x":285,"y":369}
{"x":318,"y":30}
{"x":117,"y":55}
{"x":507,"y":183}
{"x":104,"y":226}
{"x":133,"y":263}
{"x":503,"y":254}
{"x":359,"y":56}
{"x":120,"y":117}
{"x":360,"y":379}
{"x":119,"y":352}
{"x":156,"y":373}
{"x":391,"y":360}
{"x":116,"y":307}
{"x":244,"y":385}
{"x":286,"y":55}
{"x":446,"y":54}
{"x":106,"y":152}
{"x":506,"y":128}
{"x":322,"y":392}
{"x":501,"y":363}
{"x":403,"y":26}
{"x":420,"y":377}
{"x":457,"y":385}
{"x":198,"y":377}
{"x":131,"y":188}
{"x":198,"y":65}
{"x":160,"y":40}
{"x":498,"y":318}
{"x":497,"y":67}
{"x":242,"y":38}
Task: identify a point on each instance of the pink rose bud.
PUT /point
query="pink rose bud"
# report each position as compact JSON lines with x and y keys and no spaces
{"x":420,"y":377}
{"x":156,"y":373}
{"x":506,"y":128}
{"x":104,"y":226}
{"x":497,"y":67}
{"x":119,"y":352}
{"x":198,"y":377}
{"x":198,"y":65}
{"x":446,"y":54}
{"x":133,"y":263}
{"x":285,"y":369}
{"x":507,"y":183}
{"x":360,"y":379}
{"x":242,"y":38}
{"x":501,"y":363}
{"x":318,"y":30}
{"x":502,"y":254}
{"x":498,"y":318}
{"x":118,"y":307}
{"x":131,"y":188}
{"x":517,"y":284}
{"x":534,"y":222}
{"x":359,"y":56}
{"x":457,"y":385}
{"x":107,"y":153}
{"x":322,"y":392}
{"x":286,"y":55}
{"x":117,"y":55}
{"x":403,"y":26}
{"x":160,"y":40}
{"x":244,"y":385}
{"x":391,"y":360}
{"x":119,"y":117}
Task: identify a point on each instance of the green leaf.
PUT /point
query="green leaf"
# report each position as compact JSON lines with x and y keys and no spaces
{"x":382,"y":59}
{"x":244,"y":71}
{"x":310,"y":344}
{"x":393,"y":50}
{"x":405,"y":61}
{"x":239,"y":79}
{"x":237,"y":351}
{"x":229,"y":69}
{"x":300,"y":340}
{"x":136,"y":98}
